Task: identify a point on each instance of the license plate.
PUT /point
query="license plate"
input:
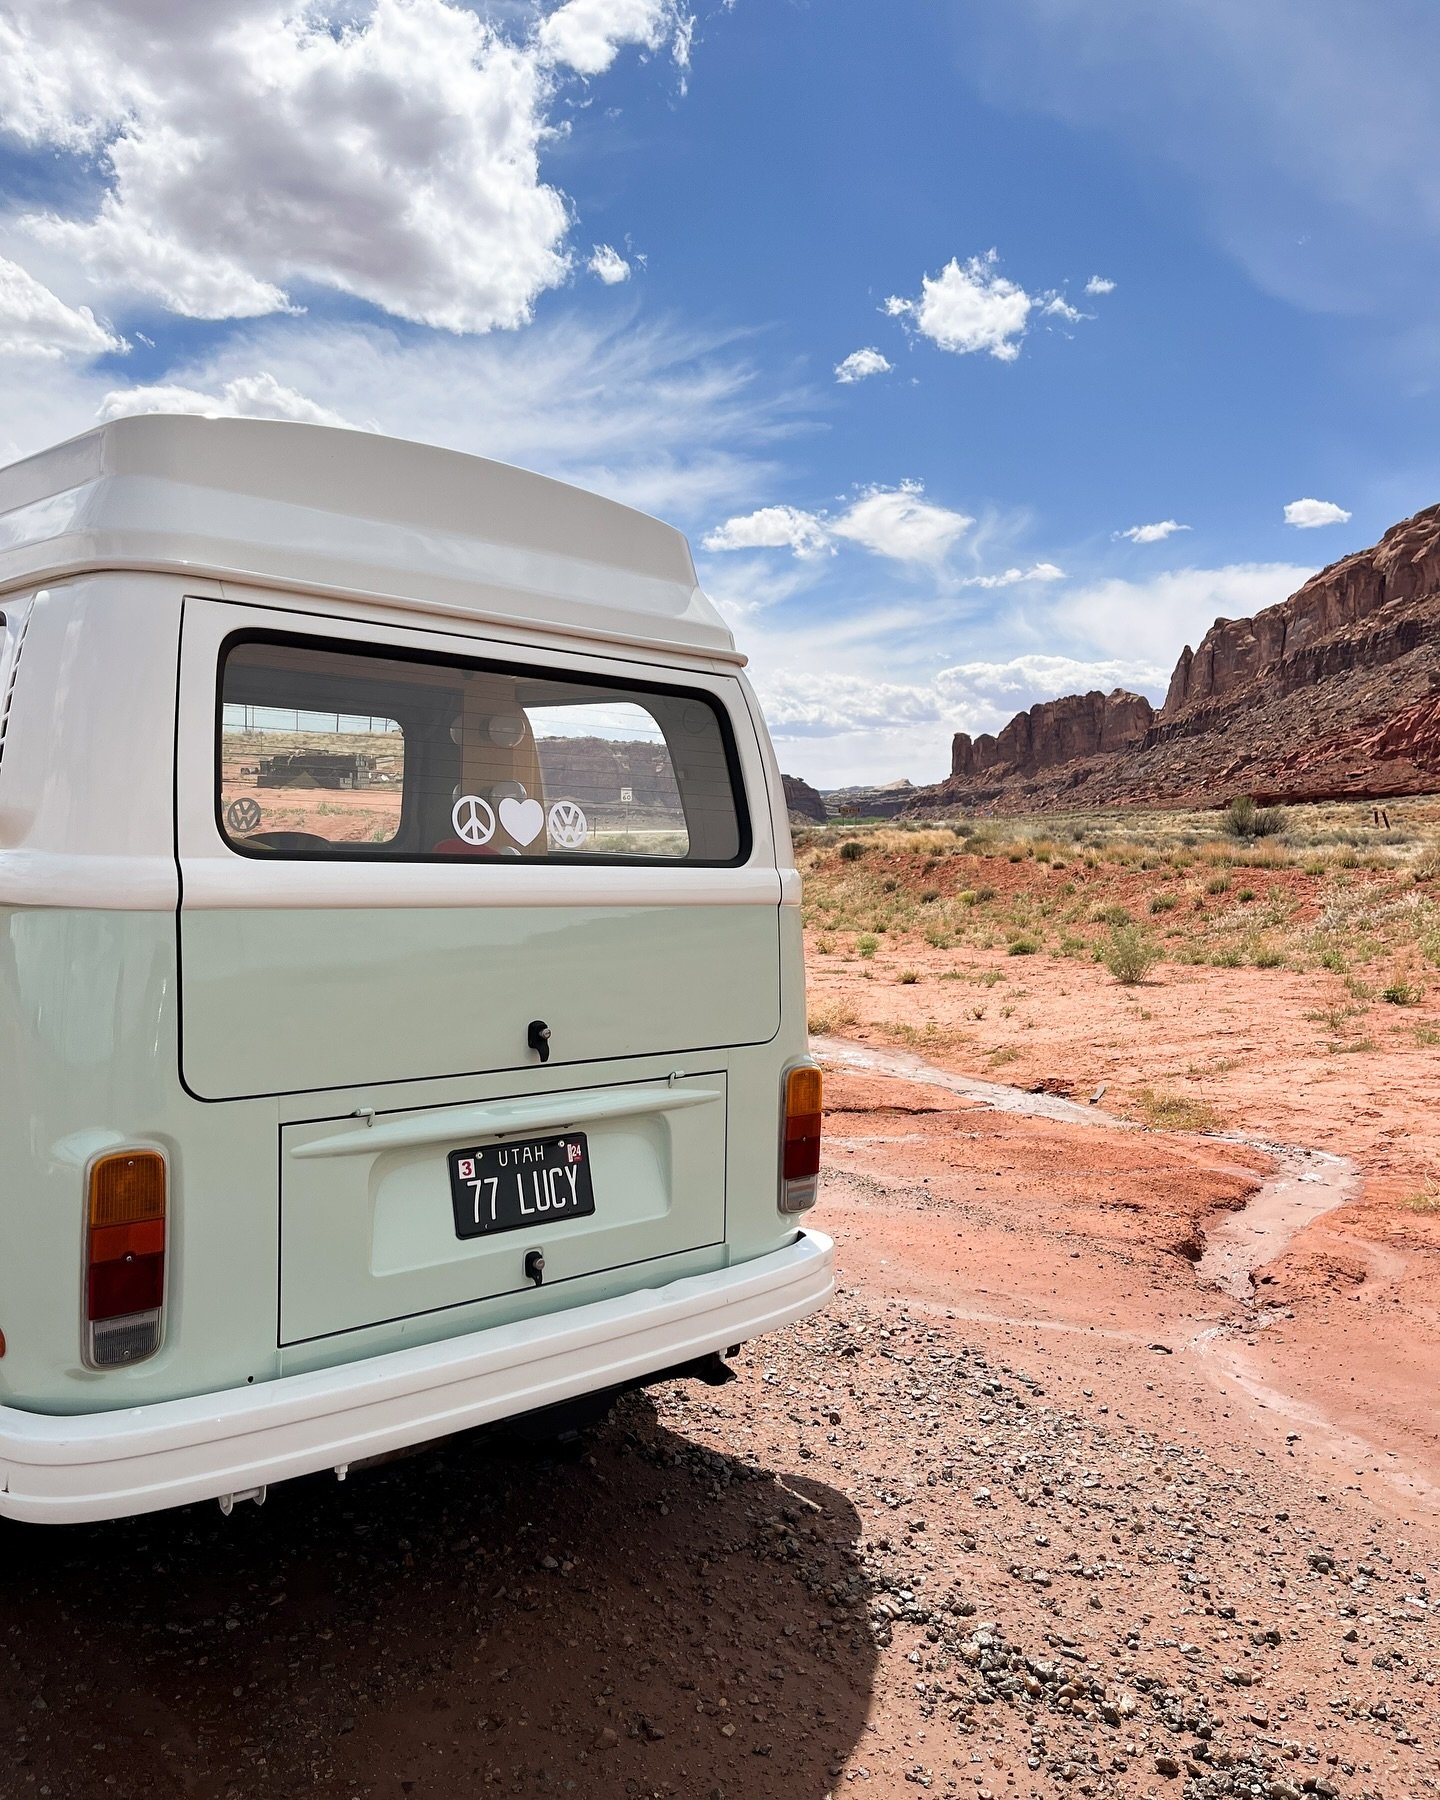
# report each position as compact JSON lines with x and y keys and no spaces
{"x":504,"y":1187}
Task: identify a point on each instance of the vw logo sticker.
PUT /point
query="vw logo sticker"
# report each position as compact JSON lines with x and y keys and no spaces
{"x":243,"y":814}
{"x":569,"y":827}
{"x":473,"y":819}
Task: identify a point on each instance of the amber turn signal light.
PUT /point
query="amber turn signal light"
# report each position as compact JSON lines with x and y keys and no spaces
{"x":800,"y":1149}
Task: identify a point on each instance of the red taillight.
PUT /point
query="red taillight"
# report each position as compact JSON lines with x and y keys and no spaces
{"x":800,"y":1146}
{"x":125,"y":1257}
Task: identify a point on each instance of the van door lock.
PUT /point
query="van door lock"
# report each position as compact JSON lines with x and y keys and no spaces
{"x":537,"y":1036}
{"x":535,"y":1266}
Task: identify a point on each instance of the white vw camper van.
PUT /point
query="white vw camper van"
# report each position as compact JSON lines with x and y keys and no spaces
{"x":401,"y":1011}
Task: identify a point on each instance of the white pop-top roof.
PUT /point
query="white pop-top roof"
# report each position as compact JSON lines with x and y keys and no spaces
{"x":316,"y":510}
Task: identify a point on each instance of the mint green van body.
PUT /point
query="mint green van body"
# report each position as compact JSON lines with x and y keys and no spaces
{"x":271,"y":699}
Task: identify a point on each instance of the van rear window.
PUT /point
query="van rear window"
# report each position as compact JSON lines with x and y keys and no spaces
{"x":332,"y":751}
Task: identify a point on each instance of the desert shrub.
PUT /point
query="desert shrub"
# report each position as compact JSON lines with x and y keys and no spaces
{"x":967,"y":897}
{"x":1402,"y":992}
{"x":982,"y":894}
{"x":889,"y":886}
{"x":1229,"y":958}
{"x":1007,"y":1053}
{"x":1244,"y":819}
{"x":963,"y":831}
{"x":835,"y":1015}
{"x":824,"y":946}
{"x":1129,"y":955}
{"x":866,"y":945}
{"x":928,"y":895}
{"x":1334,"y":961}
{"x":1218,"y":884}
{"x":1163,"y":903}
{"x":937,"y":937}
{"x":1113,"y":914}
{"x":851,"y":850}
{"x":1021,"y":946}
{"x":1426,"y":867}
{"x":1426,"y":1201}
{"x":1245,"y":896}
{"x":1268,"y":957}
{"x":909,"y":977}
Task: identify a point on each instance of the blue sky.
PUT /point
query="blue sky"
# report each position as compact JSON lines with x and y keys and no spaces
{"x":1098,"y":267}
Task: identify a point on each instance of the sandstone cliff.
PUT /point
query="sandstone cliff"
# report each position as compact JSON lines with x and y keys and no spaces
{"x":802,"y":802}
{"x":1403,"y":566}
{"x":1335,"y":692}
{"x":1054,"y":732}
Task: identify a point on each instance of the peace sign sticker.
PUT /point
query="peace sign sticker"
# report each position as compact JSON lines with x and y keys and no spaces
{"x":473,"y":819}
{"x":569,"y":827}
{"x":243,"y":814}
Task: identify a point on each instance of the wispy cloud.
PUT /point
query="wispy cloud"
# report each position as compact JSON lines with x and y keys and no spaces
{"x":1152,"y":534}
{"x":661,"y":417}
{"x":895,"y":522}
{"x":36,"y":323}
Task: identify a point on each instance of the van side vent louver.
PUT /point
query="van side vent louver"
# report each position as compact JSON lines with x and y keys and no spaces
{"x":12,"y":643}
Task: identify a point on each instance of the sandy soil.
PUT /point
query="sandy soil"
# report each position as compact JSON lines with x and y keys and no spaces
{"x":1036,"y":1508}
{"x":1246,"y":1047}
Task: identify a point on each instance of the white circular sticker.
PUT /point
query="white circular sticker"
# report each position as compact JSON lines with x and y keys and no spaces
{"x":473,"y":819}
{"x":569,"y":827}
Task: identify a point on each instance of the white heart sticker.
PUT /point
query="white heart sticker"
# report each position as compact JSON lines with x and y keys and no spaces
{"x":524,"y":820}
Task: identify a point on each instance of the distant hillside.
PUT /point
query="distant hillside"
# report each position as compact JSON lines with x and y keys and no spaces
{"x":1334,"y":693}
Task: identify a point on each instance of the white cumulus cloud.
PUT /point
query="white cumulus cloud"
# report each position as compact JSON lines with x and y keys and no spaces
{"x":36,"y":323}
{"x":1152,"y":534}
{"x":1307,"y":514}
{"x":1099,"y":284}
{"x":246,"y":150}
{"x":861,"y":363}
{"x":969,"y":307}
{"x":772,"y":528}
{"x":587,"y":35}
{"x":607,"y":262}
{"x":246,"y":397}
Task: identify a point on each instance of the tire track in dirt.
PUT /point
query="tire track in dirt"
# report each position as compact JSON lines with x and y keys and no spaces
{"x":1306,"y":1185}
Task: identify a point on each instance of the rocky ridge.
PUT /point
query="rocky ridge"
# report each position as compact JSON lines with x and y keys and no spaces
{"x":802,"y":802}
{"x":1054,"y":732}
{"x":1334,"y":693}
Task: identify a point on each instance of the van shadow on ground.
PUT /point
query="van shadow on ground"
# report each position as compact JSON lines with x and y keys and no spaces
{"x":642,"y":1616}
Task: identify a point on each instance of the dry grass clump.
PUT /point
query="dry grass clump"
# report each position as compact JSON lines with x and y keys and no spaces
{"x":831,"y":1016}
{"x":1426,"y":1201}
{"x":1165,"y":1110}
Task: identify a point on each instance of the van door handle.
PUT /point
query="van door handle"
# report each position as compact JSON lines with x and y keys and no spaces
{"x":538,"y":1038}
